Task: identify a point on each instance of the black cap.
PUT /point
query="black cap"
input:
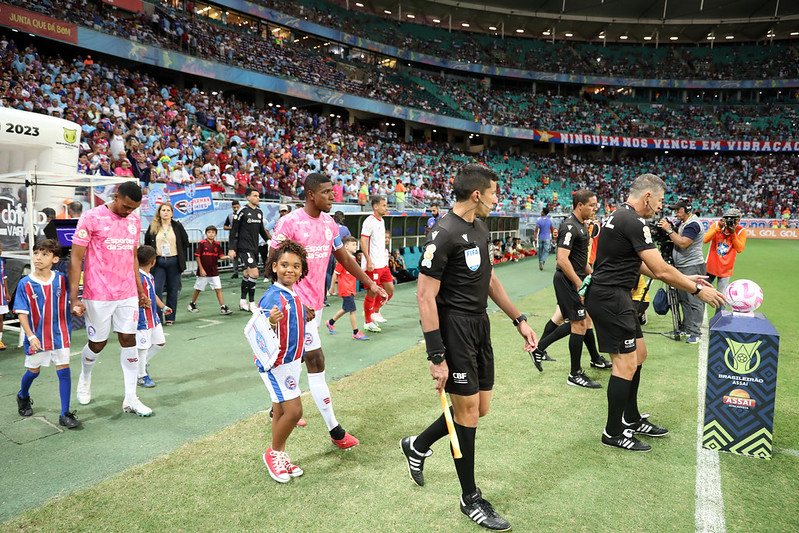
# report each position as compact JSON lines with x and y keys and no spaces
{"x":682,"y":202}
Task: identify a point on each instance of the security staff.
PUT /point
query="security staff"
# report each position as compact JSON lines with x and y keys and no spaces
{"x":625,"y":250}
{"x":689,"y":259}
{"x":456,"y":278}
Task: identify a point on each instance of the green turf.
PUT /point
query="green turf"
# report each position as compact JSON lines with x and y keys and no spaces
{"x":538,"y":457}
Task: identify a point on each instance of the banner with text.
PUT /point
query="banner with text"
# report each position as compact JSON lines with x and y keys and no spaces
{"x":761,"y":228}
{"x":741,"y":384}
{"x":782,"y":145}
{"x":35,"y":23}
{"x":191,"y":200}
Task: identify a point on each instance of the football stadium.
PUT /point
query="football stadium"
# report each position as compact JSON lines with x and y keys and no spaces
{"x":492,"y":188}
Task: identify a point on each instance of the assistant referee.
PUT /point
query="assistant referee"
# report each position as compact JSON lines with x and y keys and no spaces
{"x":456,"y":277}
{"x":624,"y":250}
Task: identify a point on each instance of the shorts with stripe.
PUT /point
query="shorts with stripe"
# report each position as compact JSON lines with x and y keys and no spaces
{"x":615,"y":319}
{"x":470,"y":357}
{"x":283,"y":381}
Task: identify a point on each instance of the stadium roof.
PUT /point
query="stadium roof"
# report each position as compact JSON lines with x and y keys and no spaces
{"x":692,"y":21}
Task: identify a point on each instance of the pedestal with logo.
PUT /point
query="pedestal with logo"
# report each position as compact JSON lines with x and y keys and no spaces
{"x":741,"y":384}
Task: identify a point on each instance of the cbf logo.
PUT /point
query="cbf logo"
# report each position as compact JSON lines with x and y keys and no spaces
{"x":742,"y":358}
{"x":291,"y":384}
{"x":261,"y":341}
{"x":308,"y":339}
{"x":722,"y":249}
{"x":472,"y":258}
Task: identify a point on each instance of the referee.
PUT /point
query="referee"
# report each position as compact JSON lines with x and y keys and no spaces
{"x":624,"y":250}
{"x":248,"y":225}
{"x":456,"y":278}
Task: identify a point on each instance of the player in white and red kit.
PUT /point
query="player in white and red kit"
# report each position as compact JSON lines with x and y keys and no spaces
{"x":312,"y":227}
{"x":149,"y":331}
{"x":107,"y":237}
{"x":373,"y":244}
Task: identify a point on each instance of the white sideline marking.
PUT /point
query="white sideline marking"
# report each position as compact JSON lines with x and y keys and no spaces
{"x":208,"y":323}
{"x":709,"y":515}
{"x":795,"y":453}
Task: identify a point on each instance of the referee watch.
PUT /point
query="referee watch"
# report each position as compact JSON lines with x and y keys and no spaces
{"x":436,"y":358}
{"x":518,"y":320}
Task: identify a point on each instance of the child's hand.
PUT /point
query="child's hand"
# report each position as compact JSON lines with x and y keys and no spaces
{"x":309,"y":313}
{"x":331,"y":292}
{"x":36,"y":346}
{"x":275,"y":315}
{"x":78,"y":308}
{"x":167,"y":310}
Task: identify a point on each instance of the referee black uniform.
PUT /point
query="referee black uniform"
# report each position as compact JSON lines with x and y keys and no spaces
{"x":610,"y":304}
{"x":248,"y":225}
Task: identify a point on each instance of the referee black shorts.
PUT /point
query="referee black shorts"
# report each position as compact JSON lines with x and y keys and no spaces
{"x":569,"y":301}
{"x":247,"y":258}
{"x":470,"y":358}
{"x":614,"y":315}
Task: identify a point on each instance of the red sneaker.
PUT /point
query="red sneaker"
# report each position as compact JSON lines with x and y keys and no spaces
{"x":276,"y":464}
{"x":293,"y":470}
{"x":347,"y":442}
{"x":301,"y":423}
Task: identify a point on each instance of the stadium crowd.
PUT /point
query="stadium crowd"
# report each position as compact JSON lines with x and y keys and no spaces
{"x":132,"y":125}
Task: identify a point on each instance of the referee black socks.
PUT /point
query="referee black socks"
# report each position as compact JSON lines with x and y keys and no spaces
{"x":559,"y":332}
{"x":434,"y":432}
{"x":549,"y":328}
{"x":575,"y":352}
{"x":465,"y":465}
{"x":618,"y":394}
{"x":631,"y":413}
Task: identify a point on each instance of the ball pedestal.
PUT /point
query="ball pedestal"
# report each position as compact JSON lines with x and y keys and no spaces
{"x":743,"y":351}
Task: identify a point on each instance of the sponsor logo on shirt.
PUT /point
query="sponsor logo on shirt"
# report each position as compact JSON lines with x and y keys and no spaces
{"x":427,"y":260}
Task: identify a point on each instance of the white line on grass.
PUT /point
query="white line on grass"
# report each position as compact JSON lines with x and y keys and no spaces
{"x":709,"y":515}
{"x":795,"y":453}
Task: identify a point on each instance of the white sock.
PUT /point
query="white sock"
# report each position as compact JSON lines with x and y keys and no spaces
{"x":130,"y":369}
{"x":142,"y":352}
{"x":154,"y":349}
{"x":321,"y":395}
{"x":87,"y":360}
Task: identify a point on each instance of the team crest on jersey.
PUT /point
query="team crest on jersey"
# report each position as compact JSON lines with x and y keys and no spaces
{"x":472,"y":256}
{"x":132,"y":229}
{"x":291,"y":383}
{"x":328,"y":234}
{"x":280,"y":237}
{"x":308,"y":339}
{"x":82,"y":233}
{"x":722,"y":249}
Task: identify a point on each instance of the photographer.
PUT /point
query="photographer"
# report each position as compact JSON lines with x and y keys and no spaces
{"x":687,"y":235}
{"x":727,"y":239}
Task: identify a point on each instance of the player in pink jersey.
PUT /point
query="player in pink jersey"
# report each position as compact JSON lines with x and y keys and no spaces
{"x":373,"y":244}
{"x":312,"y":227}
{"x":107,"y":237}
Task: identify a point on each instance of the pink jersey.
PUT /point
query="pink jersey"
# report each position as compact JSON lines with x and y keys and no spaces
{"x":374,"y":229}
{"x":110,"y":242}
{"x":320,"y":237}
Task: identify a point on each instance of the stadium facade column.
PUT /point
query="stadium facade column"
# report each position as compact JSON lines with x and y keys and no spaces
{"x":259,"y":99}
{"x":408,"y":132}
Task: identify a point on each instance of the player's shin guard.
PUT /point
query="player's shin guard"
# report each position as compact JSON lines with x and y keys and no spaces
{"x":129,"y":360}
{"x":575,"y":352}
{"x":465,"y":465}
{"x":631,"y":413}
{"x":618,"y":393}
{"x":321,"y":396}
{"x":429,"y":436}
{"x":87,"y":360}
{"x":64,"y":388}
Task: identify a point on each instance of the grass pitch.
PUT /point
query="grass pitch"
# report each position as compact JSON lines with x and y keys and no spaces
{"x":539,"y":460}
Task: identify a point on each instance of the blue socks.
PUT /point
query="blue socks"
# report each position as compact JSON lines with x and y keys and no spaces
{"x":64,"y":388}
{"x":27,"y":379}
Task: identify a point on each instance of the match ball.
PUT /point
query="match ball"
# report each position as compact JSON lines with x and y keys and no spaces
{"x":744,"y":296}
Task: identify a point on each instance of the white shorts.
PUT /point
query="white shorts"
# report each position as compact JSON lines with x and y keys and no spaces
{"x":312,"y":338}
{"x":57,"y":357}
{"x":3,"y":309}
{"x":100,"y":314}
{"x":203,"y":281}
{"x":147,"y":337}
{"x":283,"y":381}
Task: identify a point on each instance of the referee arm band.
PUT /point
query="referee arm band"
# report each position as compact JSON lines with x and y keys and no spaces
{"x":433,"y":342}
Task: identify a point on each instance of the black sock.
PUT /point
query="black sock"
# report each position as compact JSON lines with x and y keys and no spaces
{"x":618,"y":392}
{"x":434,"y":431}
{"x":560,"y":332}
{"x":590,"y":343}
{"x":631,"y":413}
{"x":355,"y":331}
{"x":331,"y":321}
{"x":245,"y":285}
{"x":465,"y":465}
{"x":337,"y":432}
{"x":251,"y":290}
{"x":575,"y":351}
{"x":549,"y":328}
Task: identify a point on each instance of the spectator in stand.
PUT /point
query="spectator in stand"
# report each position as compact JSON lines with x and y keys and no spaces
{"x":397,"y":265}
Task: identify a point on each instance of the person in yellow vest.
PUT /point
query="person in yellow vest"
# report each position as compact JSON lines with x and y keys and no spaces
{"x":775,"y":223}
{"x":399,"y":194}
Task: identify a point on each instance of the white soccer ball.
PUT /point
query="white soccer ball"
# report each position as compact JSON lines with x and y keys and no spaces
{"x":744,"y":295}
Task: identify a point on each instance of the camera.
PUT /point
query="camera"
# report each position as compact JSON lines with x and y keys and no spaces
{"x":661,"y":238}
{"x":731,"y":223}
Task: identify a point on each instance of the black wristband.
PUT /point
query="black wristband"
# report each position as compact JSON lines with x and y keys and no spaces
{"x":433,"y":342}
